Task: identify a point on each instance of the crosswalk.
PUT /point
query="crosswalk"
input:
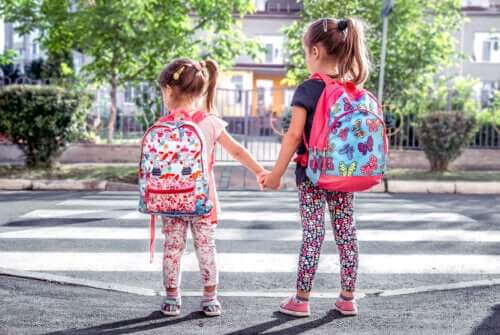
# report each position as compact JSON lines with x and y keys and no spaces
{"x":403,"y":243}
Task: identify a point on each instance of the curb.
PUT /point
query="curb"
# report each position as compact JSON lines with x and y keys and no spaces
{"x":100,"y":285}
{"x":387,"y":186}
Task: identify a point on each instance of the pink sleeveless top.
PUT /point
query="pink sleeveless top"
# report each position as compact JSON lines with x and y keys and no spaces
{"x":212,"y":127}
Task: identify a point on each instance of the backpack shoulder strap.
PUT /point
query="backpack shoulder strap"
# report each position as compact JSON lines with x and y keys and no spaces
{"x":199,"y":116}
{"x":324,"y":77}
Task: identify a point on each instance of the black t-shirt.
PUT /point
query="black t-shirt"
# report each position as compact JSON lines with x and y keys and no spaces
{"x":306,"y":96}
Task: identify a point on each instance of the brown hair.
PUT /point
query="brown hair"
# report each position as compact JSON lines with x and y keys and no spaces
{"x":344,"y":41}
{"x":192,"y":79}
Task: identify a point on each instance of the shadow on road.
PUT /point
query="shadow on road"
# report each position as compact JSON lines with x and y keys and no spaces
{"x":490,"y":325}
{"x":131,"y":326}
{"x":50,"y":222}
{"x":281,"y":319}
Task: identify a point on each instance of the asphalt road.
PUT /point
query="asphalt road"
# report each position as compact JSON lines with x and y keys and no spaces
{"x":406,"y":241}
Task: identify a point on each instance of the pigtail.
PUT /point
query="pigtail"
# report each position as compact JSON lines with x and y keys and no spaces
{"x":354,"y":61}
{"x":213,"y":73}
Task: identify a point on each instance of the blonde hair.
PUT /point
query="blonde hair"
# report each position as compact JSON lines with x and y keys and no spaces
{"x":344,"y":41}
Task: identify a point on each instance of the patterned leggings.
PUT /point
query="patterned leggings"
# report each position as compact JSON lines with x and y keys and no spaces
{"x":175,"y":231}
{"x":312,"y":210}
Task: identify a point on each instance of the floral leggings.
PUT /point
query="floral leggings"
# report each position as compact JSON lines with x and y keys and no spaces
{"x":175,"y":231}
{"x":312,"y":210}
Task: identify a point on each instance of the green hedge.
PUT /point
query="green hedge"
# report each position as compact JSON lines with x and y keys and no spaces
{"x":41,"y":120}
{"x":444,"y":136}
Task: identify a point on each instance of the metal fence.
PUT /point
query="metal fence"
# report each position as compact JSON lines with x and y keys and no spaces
{"x":403,"y":135}
{"x":254,"y":119}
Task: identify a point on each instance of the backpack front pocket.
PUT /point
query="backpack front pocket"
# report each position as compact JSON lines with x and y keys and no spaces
{"x":173,"y":200}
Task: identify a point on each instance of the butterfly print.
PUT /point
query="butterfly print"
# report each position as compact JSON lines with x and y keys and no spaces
{"x":372,"y":124}
{"x":364,"y":148}
{"x":363,"y":109}
{"x":343,"y":134}
{"x":328,"y":164}
{"x":347,"y":105}
{"x":314,"y":165}
{"x":357,"y":129}
{"x":347,"y":170}
{"x":348,"y":150}
{"x":368,"y":168}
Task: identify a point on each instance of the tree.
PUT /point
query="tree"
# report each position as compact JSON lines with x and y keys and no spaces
{"x":421,"y":42}
{"x":131,"y":40}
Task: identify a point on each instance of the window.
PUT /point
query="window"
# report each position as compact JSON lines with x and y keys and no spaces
{"x":264,"y":96}
{"x":488,"y":92}
{"x":129,"y":93}
{"x":237,"y":82}
{"x":487,"y":47}
{"x":477,"y":3}
{"x":34,"y":50}
{"x":274,"y":49}
{"x":17,"y":38}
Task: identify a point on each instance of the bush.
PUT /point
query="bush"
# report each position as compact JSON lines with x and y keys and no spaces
{"x":41,"y":120}
{"x":444,"y":136}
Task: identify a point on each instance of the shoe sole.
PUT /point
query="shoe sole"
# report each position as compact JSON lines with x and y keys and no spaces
{"x":171,"y":313}
{"x":346,"y":313}
{"x":212,"y":314}
{"x":293,"y":313}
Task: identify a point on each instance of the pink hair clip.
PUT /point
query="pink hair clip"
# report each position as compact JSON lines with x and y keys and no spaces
{"x":325,"y":25}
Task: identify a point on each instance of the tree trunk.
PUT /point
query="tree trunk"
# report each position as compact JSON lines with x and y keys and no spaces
{"x":112,"y":113}
{"x":439,"y":165}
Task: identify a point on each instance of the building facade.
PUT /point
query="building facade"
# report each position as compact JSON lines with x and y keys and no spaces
{"x":479,"y":42}
{"x":259,"y":83}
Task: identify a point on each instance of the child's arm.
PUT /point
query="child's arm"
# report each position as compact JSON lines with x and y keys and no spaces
{"x":238,"y":152}
{"x":289,"y":145}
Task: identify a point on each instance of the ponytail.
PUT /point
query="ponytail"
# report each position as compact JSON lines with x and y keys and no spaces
{"x":213,"y":73}
{"x":344,"y":41}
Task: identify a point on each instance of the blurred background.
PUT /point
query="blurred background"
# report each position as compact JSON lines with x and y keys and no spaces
{"x":441,"y":57}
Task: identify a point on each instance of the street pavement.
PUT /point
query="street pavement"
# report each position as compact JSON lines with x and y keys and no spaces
{"x":421,"y":242}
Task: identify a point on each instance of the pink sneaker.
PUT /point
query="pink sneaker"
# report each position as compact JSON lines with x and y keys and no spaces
{"x":346,"y":307}
{"x":294,"y":307}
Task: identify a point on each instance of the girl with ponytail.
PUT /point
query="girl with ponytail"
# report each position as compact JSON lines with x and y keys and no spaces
{"x":334,"y":48}
{"x":188,"y":88}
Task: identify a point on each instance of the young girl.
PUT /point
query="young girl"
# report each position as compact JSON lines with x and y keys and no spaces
{"x":335,"y":48}
{"x":184,"y":83}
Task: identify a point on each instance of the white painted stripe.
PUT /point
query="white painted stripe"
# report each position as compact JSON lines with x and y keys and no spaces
{"x":58,"y":213}
{"x":240,"y":216}
{"x":261,"y":216}
{"x":269,"y":216}
{"x":251,"y":262}
{"x":414,"y":217}
{"x":291,"y":204}
{"x":100,"y":203}
{"x":118,"y":233}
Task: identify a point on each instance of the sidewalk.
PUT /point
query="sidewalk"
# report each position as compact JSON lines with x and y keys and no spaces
{"x":38,"y":307}
{"x":235,"y":177}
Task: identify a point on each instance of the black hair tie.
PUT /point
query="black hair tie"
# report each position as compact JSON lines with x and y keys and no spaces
{"x":342,"y":25}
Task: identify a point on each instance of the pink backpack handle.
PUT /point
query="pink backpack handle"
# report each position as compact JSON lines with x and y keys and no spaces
{"x":197,"y":117}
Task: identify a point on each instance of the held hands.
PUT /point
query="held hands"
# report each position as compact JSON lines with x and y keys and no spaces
{"x":267,"y":179}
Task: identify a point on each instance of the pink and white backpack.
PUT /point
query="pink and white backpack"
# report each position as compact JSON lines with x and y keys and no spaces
{"x":174,"y":170}
{"x":348,"y":145}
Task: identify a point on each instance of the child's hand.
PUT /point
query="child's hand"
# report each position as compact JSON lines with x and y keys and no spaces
{"x":261,"y":177}
{"x":272,"y":181}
